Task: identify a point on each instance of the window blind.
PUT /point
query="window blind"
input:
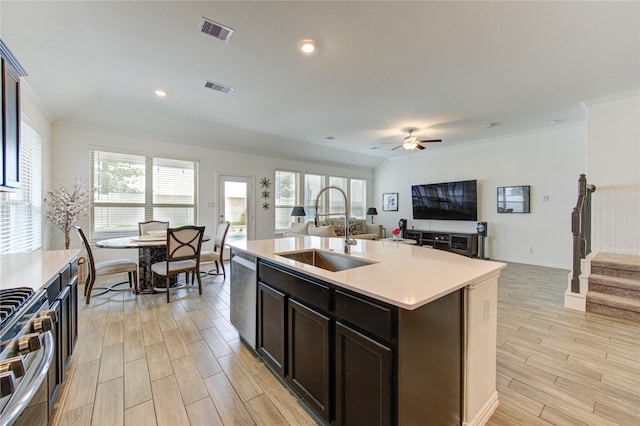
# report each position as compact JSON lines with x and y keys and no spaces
{"x":129,"y":189}
{"x":21,"y":211}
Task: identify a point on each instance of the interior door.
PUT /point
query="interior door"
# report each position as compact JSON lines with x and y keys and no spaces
{"x":235,"y":198}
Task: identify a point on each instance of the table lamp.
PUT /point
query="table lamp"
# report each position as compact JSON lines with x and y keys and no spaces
{"x":298,"y":211}
{"x":371,"y":211}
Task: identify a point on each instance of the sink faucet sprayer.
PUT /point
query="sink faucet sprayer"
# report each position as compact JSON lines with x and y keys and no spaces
{"x":348,"y":242}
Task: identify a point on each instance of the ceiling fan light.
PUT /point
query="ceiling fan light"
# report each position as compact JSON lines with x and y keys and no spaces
{"x":409,"y":144}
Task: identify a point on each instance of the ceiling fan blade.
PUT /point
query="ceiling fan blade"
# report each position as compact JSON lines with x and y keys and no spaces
{"x":419,"y":146}
{"x":430,"y":140}
{"x":399,"y":146}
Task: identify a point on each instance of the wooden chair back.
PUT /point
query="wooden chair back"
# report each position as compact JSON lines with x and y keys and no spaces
{"x":184,"y":243}
{"x":87,"y":248}
{"x":221,"y":236}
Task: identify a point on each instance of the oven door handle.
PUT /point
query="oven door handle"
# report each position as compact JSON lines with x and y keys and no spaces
{"x":30,"y":382}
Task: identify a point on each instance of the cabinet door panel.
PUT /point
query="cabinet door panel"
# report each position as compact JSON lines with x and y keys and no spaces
{"x":363,"y":379}
{"x":309,"y":356}
{"x":271,"y":335}
{"x":56,"y":373}
{"x":65,"y":321}
{"x":73,"y":312}
{"x":11,"y":135}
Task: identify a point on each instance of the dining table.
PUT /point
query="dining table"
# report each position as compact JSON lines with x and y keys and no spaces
{"x":151,"y":249}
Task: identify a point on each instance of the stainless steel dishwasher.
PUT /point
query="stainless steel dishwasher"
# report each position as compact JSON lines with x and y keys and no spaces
{"x":244,"y":298}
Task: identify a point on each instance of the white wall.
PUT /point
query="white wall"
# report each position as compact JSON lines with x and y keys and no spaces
{"x":550,"y":160}
{"x":70,"y":158}
{"x":613,"y":166}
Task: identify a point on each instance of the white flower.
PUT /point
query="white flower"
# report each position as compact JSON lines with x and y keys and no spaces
{"x":66,"y":208}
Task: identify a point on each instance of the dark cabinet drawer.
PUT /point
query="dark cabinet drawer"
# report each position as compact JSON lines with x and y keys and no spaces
{"x":53,"y":288}
{"x":372,"y":317}
{"x":311,"y":292}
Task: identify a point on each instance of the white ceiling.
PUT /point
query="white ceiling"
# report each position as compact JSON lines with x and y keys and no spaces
{"x":445,"y":68}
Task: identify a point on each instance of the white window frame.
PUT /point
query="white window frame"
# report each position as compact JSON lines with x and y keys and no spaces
{"x":287,"y":207}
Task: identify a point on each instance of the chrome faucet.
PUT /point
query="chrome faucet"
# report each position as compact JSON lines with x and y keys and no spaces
{"x":348,"y":242}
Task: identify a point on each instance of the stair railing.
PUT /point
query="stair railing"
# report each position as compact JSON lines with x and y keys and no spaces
{"x":581,"y":229}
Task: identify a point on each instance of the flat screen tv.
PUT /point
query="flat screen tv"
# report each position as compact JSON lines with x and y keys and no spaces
{"x":445,"y":201}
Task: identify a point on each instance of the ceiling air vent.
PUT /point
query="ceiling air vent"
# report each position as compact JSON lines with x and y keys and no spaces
{"x":216,"y":30}
{"x":218,"y":87}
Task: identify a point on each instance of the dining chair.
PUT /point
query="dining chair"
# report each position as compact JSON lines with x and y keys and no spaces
{"x":208,"y":256}
{"x":146,"y":228}
{"x":152,"y":225}
{"x":108,"y":267}
{"x":183,"y":254}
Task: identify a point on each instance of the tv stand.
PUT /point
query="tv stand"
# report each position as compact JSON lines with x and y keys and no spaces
{"x":456,"y":242}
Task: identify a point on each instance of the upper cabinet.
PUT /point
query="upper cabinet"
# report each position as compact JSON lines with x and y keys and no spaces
{"x":10,"y":119}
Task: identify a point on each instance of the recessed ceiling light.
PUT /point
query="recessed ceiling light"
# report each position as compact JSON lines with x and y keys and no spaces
{"x":160,"y":93}
{"x":308,"y":46}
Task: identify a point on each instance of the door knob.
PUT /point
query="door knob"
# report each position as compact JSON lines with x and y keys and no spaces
{"x":15,"y":365}
{"x":6,"y":384}
{"x":29,"y":343}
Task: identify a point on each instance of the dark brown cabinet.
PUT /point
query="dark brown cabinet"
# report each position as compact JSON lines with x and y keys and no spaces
{"x":55,"y":372}
{"x":272,"y":330}
{"x":62,"y":292}
{"x":363,"y":379}
{"x":309,"y":352}
{"x":10,"y":72}
{"x":354,"y":360}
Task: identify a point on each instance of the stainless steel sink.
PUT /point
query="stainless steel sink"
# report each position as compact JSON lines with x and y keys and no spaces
{"x":321,"y":259}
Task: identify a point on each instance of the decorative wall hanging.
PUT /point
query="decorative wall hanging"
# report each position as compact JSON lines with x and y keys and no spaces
{"x":390,"y":202}
{"x":265,"y":184}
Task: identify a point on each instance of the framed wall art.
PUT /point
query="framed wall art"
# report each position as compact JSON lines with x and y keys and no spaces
{"x":390,"y":202}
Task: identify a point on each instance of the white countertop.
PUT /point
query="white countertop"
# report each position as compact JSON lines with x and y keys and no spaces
{"x":33,"y":269}
{"x":403,"y":275}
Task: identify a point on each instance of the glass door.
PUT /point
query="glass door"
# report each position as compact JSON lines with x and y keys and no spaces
{"x":236,"y":206}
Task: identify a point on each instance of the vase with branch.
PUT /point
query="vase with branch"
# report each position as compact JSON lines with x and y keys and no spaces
{"x":66,"y":207}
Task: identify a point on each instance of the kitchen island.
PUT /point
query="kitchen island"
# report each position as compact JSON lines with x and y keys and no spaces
{"x":406,"y":337}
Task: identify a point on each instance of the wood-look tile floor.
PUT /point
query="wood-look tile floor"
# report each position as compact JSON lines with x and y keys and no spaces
{"x":141,"y":361}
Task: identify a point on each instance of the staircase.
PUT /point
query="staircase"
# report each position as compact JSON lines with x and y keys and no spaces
{"x":614,"y":286}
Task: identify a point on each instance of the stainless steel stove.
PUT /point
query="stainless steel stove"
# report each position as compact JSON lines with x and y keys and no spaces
{"x":27,"y":349}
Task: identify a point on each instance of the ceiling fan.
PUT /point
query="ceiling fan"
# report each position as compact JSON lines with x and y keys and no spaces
{"x":411,"y":142}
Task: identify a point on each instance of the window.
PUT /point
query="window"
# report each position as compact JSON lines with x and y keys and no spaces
{"x":21,"y":211}
{"x":358,"y":206}
{"x":312,"y":186}
{"x":336,"y":200}
{"x":286,"y":197}
{"x":356,"y":190}
{"x":129,"y":188}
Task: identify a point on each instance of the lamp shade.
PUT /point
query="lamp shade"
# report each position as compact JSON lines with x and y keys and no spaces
{"x":371,"y":211}
{"x":298,"y":211}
